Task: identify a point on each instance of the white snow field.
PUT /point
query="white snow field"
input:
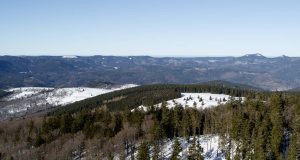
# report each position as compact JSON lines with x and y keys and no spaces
{"x":198,"y":100}
{"x":25,"y":98}
{"x":24,"y":92}
{"x":211,"y":144}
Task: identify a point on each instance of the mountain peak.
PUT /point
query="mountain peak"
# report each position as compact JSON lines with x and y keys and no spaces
{"x":284,"y":56}
{"x":254,"y":55}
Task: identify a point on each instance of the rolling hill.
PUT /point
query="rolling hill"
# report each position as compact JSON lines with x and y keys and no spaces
{"x":279,"y":73}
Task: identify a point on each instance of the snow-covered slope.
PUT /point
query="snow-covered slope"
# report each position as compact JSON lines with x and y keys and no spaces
{"x":211,"y":144}
{"x":60,"y":96}
{"x":39,"y":98}
{"x":25,"y":92}
{"x":198,"y":100}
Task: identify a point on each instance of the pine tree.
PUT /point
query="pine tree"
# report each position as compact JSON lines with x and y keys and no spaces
{"x":30,"y":127}
{"x":156,"y":151}
{"x":177,"y":119}
{"x":262,"y":139}
{"x":185,"y":124}
{"x":276,"y":104}
{"x":192,"y":150}
{"x":110,"y":156}
{"x":294,"y":147}
{"x":143,"y":152}
{"x":66,"y":123}
{"x":195,"y":104}
{"x":200,"y":99}
{"x":39,"y":140}
{"x":176,"y":150}
{"x":195,"y":150}
{"x":166,"y":119}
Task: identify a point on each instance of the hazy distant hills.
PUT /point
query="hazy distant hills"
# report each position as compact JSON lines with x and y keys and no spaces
{"x":279,"y":73}
{"x":295,"y":89}
{"x":232,"y":85}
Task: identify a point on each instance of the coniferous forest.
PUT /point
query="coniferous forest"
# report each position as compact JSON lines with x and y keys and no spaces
{"x":266,"y":125}
{"x":3,"y":93}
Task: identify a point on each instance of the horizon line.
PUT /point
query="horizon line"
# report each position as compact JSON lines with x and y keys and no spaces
{"x":141,"y":55}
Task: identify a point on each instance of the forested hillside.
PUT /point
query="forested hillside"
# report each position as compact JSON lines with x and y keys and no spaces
{"x":88,"y":71}
{"x":3,"y":93}
{"x":149,"y":95}
{"x":264,"y":126}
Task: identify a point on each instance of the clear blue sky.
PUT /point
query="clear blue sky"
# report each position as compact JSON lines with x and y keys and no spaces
{"x":150,"y":27}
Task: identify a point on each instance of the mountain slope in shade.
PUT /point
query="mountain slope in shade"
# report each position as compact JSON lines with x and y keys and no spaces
{"x":297,"y":89}
{"x":279,"y":73}
{"x":232,"y":85}
{"x":3,"y":93}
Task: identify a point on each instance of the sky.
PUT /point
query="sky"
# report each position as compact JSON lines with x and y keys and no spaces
{"x":150,"y":27}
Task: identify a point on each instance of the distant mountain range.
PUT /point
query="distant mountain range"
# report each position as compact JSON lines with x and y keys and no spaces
{"x":279,"y":73}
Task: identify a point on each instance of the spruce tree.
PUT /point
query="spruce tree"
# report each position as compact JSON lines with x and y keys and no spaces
{"x":276,"y":104}
{"x":156,"y":151}
{"x":143,"y":152}
{"x":192,"y":150}
{"x":199,"y":151}
{"x":195,"y":150}
{"x":176,"y":150}
{"x":294,"y":147}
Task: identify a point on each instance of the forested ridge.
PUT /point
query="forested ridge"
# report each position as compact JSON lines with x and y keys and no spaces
{"x":3,"y":93}
{"x":149,"y":95}
{"x":264,"y":126}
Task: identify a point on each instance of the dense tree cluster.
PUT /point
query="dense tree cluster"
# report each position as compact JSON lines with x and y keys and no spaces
{"x":3,"y":93}
{"x":148,"y":95}
{"x":264,"y":126}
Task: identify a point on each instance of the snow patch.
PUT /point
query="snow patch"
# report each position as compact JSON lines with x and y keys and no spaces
{"x":213,"y":60}
{"x":69,"y":56}
{"x":197,"y":100}
{"x":24,"y":92}
{"x":211,"y":144}
{"x":26,"y":98}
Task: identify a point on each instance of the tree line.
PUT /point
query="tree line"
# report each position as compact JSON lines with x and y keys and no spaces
{"x":264,"y":126}
{"x":148,"y":95}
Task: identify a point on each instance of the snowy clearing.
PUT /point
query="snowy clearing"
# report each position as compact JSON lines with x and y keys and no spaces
{"x":69,"y":56}
{"x":25,"y":98}
{"x":198,"y":100}
{"x":211,"y":144}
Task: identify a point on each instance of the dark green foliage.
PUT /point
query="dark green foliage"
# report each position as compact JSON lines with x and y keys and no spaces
{"x":176,"y":150}
{"x":156,"y":151}
{"x":3,"y":93}
{"x":259,"y":125}
{"x":66,"y":123}
{"x":195,"y":150}
{"x":39,"y":140}
{"x":143,"y":152}
{"x":276,"y":106}
{"x":294,"y":148}
{"x":145,"y":95}
{"x":30,"y":127}
{"x":110,"y":157}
